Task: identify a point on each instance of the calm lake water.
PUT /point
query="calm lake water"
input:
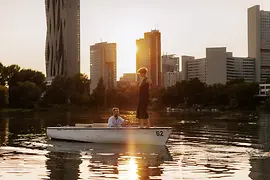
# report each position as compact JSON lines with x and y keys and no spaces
{"x":201,"y":147}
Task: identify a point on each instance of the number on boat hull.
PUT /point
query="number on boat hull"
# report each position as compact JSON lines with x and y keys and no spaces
{"x":159,"y":133}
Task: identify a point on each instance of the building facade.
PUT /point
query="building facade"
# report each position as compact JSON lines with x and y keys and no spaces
{"x":170,"y":70}
{"x":193,"y":68}
{"x":219,"y":66}
{"x":62,"y":49}
{"x":170,"y":63}
{"x":171,"y":78}
{"x":264,"y":90}
{"x":259,"y":41}
{"x":241,"y":68}
{"x":103,"y":64}
{"x":149,"y":55}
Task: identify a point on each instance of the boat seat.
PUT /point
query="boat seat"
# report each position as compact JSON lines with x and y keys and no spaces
{"x":92,"y":125}
{"x":83,"y":125}
{"x":100,"y":125}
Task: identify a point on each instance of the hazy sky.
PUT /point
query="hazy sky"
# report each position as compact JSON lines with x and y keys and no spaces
{"x":187,"y":27}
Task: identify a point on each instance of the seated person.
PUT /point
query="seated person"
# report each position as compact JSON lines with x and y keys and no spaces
{"x":115,"y":120}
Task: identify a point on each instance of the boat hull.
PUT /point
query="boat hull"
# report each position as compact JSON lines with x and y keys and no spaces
{"x":151,"y":136}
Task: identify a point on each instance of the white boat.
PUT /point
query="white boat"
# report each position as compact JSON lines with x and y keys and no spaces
{"x":122,"y":135}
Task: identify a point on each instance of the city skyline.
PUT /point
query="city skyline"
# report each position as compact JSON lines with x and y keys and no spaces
{"x":27,"y":33}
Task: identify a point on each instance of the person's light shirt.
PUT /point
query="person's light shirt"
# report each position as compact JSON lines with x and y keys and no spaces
{"x":113,"y":122}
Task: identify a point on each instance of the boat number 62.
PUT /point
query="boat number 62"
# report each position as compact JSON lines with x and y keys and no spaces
{"x":159,"y":133}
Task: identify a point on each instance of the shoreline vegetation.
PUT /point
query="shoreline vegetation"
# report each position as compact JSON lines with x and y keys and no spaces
{"x":25,"y":90}
{"x":129,"y":114}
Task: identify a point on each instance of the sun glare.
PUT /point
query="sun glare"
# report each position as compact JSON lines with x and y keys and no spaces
{"x":132,"y":169}
{"x":126,"y":45}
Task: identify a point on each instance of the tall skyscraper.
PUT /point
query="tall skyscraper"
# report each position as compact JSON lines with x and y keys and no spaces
{"x":149,"y":55}
{"x":62,"y":53}
{"x":259,"y":41}
{"x":103,"y":64}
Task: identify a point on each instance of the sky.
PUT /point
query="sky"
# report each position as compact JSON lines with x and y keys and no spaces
{"x":187,"y":27}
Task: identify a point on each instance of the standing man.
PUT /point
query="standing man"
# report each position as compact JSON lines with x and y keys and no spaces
{"x":143,"y":102}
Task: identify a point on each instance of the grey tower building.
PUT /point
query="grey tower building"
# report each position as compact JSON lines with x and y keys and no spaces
{"x":62,"y":53}
{"x":259,"y":41}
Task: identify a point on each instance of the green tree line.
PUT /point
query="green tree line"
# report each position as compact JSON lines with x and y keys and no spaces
{"x":234,"y":94}
{"x":26,"y":88}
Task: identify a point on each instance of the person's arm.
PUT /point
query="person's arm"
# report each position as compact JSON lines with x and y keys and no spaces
{"x":110,"y":122}
{"x":123,"y":121}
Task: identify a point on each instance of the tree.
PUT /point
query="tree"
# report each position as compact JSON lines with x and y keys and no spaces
{"x":3,"y":96}
{"x":2,"y":75}
{"x":10,"y":71}
{"x":195,"y":91}
{"x":36,"y":77}
{"x":98,"y":95}
{"x":235,"y":81}
{"x":267,"y":81}
{"x":24,"y":95}
{"x":80,"y":89}
{"x":243,"y":94}
{"x":58,"y":92}
{"x":63,"y":90}
{"x":19,"y":80}
{"x":217,"y":94}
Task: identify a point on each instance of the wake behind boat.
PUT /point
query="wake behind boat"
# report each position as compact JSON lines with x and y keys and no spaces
{"x":122,"y":135}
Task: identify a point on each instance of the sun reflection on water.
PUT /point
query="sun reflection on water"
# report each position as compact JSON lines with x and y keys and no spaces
{"x":132,"y":169}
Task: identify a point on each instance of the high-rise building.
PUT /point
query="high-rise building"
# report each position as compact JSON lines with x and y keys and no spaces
{"x":239,"y":67}
{"x":216,"y":65}
{"x":62,"y":52}
{"x":259,"y":41}
{"x":103,"y":64}
{"x":171,"y":78}
{"x":219,"y":66}
{"x":170,"y":63}
{"x":149,"y":55}
{"x":170,"y":70}
{"x":193,"y":68}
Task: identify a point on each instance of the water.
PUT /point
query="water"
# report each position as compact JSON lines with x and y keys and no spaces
{"x":201,"y":147}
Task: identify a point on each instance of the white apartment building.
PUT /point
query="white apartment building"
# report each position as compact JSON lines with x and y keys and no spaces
{"x":170,"y":70}
{"x":219,"y":66}
{"x":62,"y":49}
{"x":171,"y":78}
{"x":238,"y":67}
{"x":264,"y":90}
{"x":170,"y":63}
{"x":103,"y":64}
{"x":259,"y":41}
{"x":193,"y":68}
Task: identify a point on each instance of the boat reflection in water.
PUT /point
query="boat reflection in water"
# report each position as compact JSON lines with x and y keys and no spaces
{"x":73,"y":160}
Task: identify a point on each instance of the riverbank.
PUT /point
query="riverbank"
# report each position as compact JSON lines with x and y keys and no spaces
{"x":130,"y":113}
